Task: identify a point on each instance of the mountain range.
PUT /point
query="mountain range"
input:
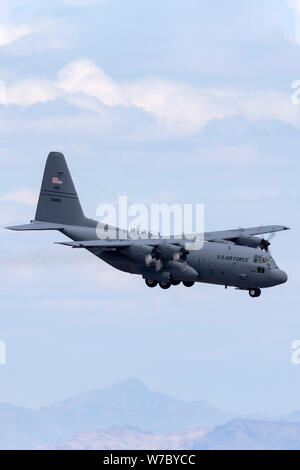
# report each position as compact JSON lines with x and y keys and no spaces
{"x":239,"y":434}
{"x":130,"y":414}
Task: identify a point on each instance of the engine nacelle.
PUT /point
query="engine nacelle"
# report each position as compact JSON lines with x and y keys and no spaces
{"x":166,"y":251}
{"x":181,"y":272}
{"x":252,"y":242}
{"x":137,"y":252}
{"x":155,"y":256}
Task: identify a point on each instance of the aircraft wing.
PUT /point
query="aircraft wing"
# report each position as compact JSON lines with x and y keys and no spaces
{"x":208,"y":236}
{"x":118,"y":243}
{"x":243,"y":232}
{"x":97,"y":244}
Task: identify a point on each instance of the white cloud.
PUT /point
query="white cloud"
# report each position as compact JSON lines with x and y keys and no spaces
{"x":31,"y":91}
{"x":84,"y":76}
{"x":177,"y":107}
{"x":11,"y":33}
{"x":23,"y":196}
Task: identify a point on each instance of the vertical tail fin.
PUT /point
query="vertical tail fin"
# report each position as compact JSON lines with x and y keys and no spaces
{"x":58,"y":201}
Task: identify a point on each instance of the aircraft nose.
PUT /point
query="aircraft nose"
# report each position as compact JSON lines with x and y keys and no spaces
{"x":280,"y":276}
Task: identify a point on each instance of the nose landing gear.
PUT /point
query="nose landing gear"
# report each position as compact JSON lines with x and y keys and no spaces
{"x":255,"y":292}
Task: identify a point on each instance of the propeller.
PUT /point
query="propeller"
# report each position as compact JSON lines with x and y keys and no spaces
{"x":265,"y":242}
{"x":181,"y":256}
{"x":148,"y":260}
{"x":154,"y":258}
{"x":164,"y":253}
{"x":158,"y":265}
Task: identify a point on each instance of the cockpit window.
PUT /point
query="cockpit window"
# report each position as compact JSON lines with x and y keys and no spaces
{"x":259,"y":259}
{"x":271,"y":261}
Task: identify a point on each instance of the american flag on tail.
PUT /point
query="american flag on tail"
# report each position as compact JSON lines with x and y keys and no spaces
{"x":56,"y":180}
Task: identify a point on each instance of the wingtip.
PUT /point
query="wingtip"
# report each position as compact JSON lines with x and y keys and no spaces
{"x":13,"y":227}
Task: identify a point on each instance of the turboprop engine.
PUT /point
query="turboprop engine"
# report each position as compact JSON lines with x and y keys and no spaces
{"x":252,"y":242}
{"x":165,"y":252}
{"x":138,"y":252}
{"x":182,"y":272}
{"x":157,"y":256}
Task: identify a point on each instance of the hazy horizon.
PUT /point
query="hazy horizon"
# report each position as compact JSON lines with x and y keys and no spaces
{"x":174,"y":396}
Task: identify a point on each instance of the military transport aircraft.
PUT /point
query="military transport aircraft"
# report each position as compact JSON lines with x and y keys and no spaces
{"x":237,"y":258}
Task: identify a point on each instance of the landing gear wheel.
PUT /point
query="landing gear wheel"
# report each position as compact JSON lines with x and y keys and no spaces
{"x":150,"y":283}
{"x":188,"y":283}
{"x":175,"y":283}
{"x":254,"y":292}
{"x":165,"y":284}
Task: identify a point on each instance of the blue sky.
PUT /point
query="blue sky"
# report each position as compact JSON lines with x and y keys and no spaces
{"x":173,"y":101}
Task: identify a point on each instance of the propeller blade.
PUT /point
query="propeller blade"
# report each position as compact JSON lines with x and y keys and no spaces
{"x":184,"y":266}
{"x":158,"y":265}
{"x":271,"y":236}
{"x":266,"y":242}
{"x":148,"y":260}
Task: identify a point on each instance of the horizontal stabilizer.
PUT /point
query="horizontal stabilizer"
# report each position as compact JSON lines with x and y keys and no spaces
{"x":35,"y":225}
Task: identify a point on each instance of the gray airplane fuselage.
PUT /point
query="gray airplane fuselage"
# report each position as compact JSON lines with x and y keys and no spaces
{"x":216,"y":263}
{"x":238,"y":257}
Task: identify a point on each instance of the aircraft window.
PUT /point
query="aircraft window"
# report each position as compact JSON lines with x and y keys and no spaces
{"x":271,"y":261}
{"x":260,"y":270}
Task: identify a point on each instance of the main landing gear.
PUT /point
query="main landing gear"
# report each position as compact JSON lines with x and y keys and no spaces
{"x":255,"y":292}
{"x":188,"y":283}
{"x":150,"y":283}
{"x":167,"y":284}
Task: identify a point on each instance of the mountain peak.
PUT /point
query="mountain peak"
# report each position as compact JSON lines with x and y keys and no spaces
{"x":130,"y":384}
